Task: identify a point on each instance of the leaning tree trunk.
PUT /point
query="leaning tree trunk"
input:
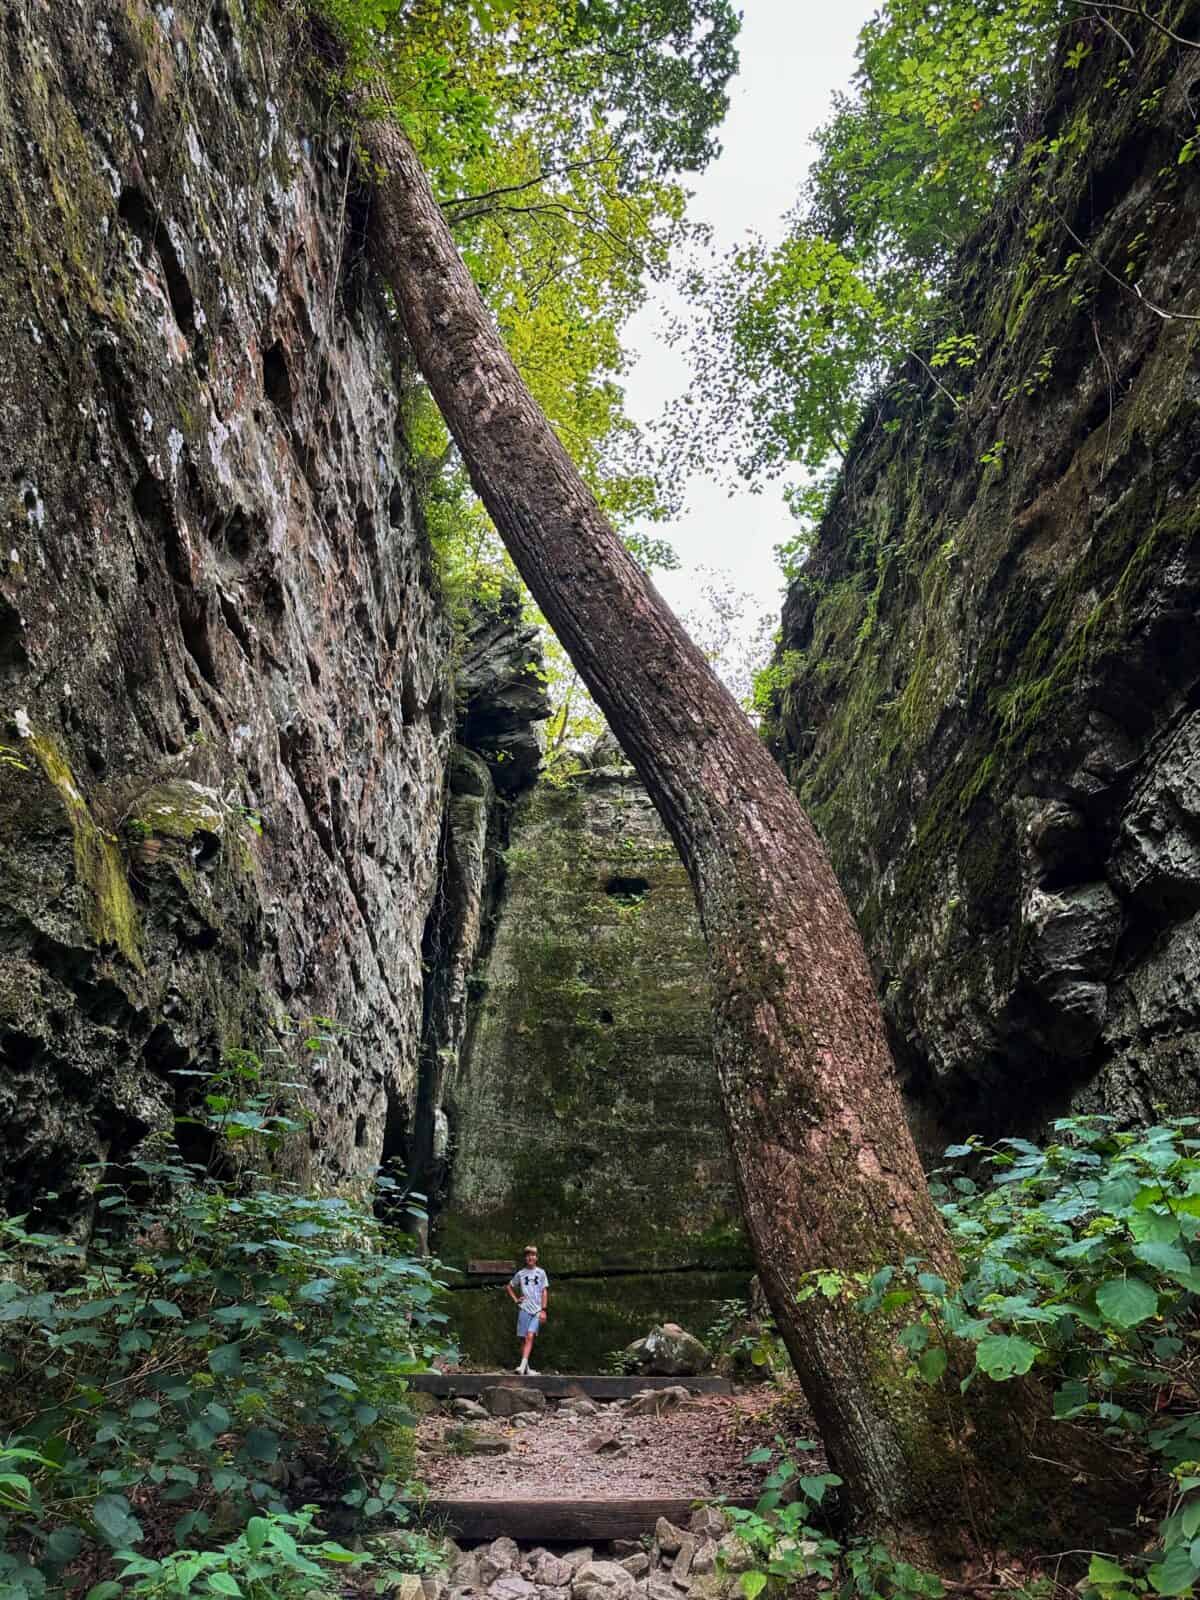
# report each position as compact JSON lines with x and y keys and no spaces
{"x":828,"y":1174}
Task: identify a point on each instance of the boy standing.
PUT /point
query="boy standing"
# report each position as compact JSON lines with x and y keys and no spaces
{"x":528,"y":1289}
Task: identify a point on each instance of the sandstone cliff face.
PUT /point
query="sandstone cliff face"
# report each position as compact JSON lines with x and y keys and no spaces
{"x":990,"y":696}
{"x":225,"y":694}
{"x":584,"y":1111}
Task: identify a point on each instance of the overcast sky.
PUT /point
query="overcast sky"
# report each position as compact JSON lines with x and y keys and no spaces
{"x":794,"y":54}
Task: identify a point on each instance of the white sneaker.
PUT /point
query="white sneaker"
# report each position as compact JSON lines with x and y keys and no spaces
{"x":520,"y":1371}
{"x":531,"y":1372}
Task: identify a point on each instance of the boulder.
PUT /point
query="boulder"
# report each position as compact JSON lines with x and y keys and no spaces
{"x":708,"y":1522}
{"x":607,"y":1444}
{"x":469,"y":1410}
{"x":549,"y":1571}
{"x":667,"y":1536}
{"x":714,"y":1586}
{"x":734,"y":1554}
{"x":705,"y":1559}
{"x":464,"y":1573}
{"x":511,"y":1586}
{"x":636,"y":1565}
{"x":506,"y":1400}
{"x":682,"y":1567}
{"x":578,"y":1406}
{"x":496,"y":1559}
{"x":656,"y":1402}
{"x":434,"y":1586}
{"x":577,"y":1558}
{"x":407,"y":1587}
{"x":667,"y":1351}
{"x":467,"y":1441}
{"x":602,"y":1580}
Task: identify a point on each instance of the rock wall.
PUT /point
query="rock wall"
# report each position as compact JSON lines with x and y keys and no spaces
{"x":989,"y":692}
{"x":223,"y":665}
{"x":584,"y":1111}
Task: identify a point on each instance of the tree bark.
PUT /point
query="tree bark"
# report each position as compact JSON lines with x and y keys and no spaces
{"x":828,"y":1173}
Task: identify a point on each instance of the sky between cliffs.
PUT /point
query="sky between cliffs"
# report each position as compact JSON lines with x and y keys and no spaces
{"x":794,"y":55}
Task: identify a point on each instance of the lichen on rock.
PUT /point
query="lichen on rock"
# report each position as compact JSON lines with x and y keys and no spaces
{"x":985,"y":682}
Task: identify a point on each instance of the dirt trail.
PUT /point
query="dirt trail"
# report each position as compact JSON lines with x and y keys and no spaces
{"x":695,"y":1450}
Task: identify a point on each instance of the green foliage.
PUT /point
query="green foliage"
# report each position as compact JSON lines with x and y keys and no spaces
{"x":277,"y":1556}
{"x":552,"y":129}
{"x":785,"y":1548}
{"x":789,"y":340}
{"x":215,"y":1331}
{"x":1082,"y":1261}
{"x":744,"y":1345}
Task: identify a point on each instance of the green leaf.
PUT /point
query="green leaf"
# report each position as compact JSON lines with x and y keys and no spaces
{"x":1004,"y":1355}
{"x":1070,"y":1396}
{"x":63,"y":1545}
{"x":933,"y":1363}
{"x":262,"y":1444}
{"x":1101,"y":1570}
{"x":1167,"y":1257}
{"x":1174,"y":1574}
{"x":222,"y":1583}
{"x":108,"y":1590}
{"x":753,"y":1584}
{"x":256,"y":1533}
{"x":1154,"y":1227}
{"x":113,"y":1517}
{"x":167,"y":1308}
{"x":225,"y":1360}
{"x":1126,"y":1301}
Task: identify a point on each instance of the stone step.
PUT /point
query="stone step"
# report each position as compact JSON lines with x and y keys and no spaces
{"x":596,"y":1386}
{"x":577,"y":1522}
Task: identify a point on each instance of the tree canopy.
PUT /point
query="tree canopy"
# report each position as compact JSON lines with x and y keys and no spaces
{"x":555,"y":133}
{"x":788,"y":341}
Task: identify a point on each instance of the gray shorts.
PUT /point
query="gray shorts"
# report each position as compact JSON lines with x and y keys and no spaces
{"x":528,"y":1322}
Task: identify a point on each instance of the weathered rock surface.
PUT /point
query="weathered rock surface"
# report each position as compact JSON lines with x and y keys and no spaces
{"x":500,"y":696}
{"x":471,"y":1441}
{"x":499,"y":1557}
{"x":226,"y":694}
{"x":594,"y":1000}
{"x":668,"y":1351}
{"x":507,"y":1400}
{"x":988,"y":679}
{"x":602,"y":1580}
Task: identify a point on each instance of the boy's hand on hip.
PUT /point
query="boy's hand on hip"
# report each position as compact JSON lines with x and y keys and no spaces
{"x":541,"y":1316}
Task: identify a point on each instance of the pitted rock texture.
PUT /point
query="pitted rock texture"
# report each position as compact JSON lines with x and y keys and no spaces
{"x":989,"y":682}
{"x":225,"y":692}
{"x":501,"y":697}
{"x":584,"y":1111}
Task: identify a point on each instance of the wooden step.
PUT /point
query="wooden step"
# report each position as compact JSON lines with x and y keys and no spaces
{"x":557,"y":1521}
{"x":595,"y":1386}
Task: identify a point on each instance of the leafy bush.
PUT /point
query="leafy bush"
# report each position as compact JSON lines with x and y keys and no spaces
{"x":1081,"y":1260}
{"x":747,"y":1346}
{"x":783,"y":1548}
{"x":217,"y":1341}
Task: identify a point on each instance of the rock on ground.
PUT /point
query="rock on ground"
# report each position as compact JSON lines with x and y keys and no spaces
{"x":668,"y":1351}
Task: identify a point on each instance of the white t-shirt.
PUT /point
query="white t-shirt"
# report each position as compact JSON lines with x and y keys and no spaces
{"x":529,"y":1283}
